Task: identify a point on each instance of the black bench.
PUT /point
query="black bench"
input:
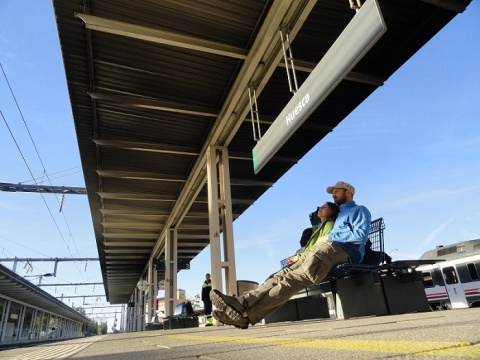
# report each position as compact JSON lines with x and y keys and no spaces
{"x":354,"y":290}
{"x":377,"y":286}
{"x":183,"y":317}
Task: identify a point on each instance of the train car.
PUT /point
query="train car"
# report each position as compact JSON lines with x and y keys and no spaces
{"x":453,"y":282}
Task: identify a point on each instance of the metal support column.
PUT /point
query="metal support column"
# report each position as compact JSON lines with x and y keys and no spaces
{"x":143,"y":297}
{"x":170,"y":272}
{"x":130,"y":315}
{"x":134,"y":311}
{"x":155,"y":290}
{"x":128,"y":318}
{"x":123,"y":316}
{"x":3,"y":325}
{"x":220,"y":209}
{"x":139,"y":311}
{"x":152,"y":291}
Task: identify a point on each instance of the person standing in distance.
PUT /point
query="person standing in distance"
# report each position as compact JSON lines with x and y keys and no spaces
{"x":207,"y":303}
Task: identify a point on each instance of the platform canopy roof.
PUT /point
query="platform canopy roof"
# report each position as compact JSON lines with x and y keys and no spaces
{"x":154,"y":83}
{"x":18,"y":288}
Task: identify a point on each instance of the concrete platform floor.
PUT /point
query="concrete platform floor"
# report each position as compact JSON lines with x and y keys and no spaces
{"x":449,"y":334}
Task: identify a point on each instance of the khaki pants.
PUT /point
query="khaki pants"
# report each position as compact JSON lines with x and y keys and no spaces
{"x":311,"y":269}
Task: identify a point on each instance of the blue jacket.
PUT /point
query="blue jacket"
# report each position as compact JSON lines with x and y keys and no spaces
{"x":351,"y":229}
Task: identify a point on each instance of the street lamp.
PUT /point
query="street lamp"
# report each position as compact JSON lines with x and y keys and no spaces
{"x":142,"y":285}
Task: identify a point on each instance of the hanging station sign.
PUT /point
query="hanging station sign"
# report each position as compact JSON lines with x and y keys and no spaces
{"x":363,"y":31}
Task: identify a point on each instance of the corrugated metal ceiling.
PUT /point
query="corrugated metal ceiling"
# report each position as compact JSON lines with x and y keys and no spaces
{"x":153,"y":83}
{"x":20,"y":289}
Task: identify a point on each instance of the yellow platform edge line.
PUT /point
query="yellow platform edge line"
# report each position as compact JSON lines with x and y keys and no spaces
{"x":433,"y":348}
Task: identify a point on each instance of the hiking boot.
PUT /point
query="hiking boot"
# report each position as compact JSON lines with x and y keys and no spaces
{"x":223,"y":318}
{"x":227,"y":304}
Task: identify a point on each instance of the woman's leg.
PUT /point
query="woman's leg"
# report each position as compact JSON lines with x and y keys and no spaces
{"x":311,"y":269}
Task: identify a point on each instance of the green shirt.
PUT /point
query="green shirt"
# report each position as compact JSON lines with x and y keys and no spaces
{"x":323,"y":229}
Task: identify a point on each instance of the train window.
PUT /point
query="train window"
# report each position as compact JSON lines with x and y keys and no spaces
{"x":472,"y":270}
{"x":450,"y":275}
{"x":427,"y":279}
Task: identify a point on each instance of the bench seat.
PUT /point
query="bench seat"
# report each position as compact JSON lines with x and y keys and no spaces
{"x":377,"y":286}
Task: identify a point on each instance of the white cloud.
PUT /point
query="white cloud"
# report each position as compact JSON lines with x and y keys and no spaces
{"x":434,"y":234}
{"x":9,"y":206}
{"x":427,"y":195}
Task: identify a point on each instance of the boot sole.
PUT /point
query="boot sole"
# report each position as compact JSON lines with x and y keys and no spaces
{"x":221,"y":303}
{"x":227,"y":321}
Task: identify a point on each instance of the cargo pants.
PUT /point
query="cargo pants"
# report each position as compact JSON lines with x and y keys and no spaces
{"x":311,"y":269}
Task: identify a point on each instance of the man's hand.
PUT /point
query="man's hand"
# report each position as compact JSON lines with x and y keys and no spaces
{"x":314,"y":219}
{"x":292,"y":259}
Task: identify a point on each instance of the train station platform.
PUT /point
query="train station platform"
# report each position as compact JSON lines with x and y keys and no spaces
{"x":449,"y":334}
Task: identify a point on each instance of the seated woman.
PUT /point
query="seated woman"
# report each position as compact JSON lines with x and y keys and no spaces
{"x":276,"y":290}
{"x":327,"y":213}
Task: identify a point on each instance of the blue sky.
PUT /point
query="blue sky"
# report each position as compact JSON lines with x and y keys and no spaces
{"x":412,"y":151}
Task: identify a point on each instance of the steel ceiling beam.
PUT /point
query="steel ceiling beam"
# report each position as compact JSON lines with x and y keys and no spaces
{"x":308,"y":66}
{"x":154,"y":104}
{"x":128,"y":236}
{"x":149,"y":147}
{"x":452,"y":5}
{"x":140,"y":175}
{"x":147,"y":244}
{"x":160,"y":36}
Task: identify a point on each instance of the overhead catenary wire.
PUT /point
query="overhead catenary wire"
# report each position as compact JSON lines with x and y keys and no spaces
{"x":35,"y":147}
{"x":55,"y":173}
{"x":49,"y":281}
{"x":30,"y":171}
{"x":22,"y":245}
{"x":38,"y":154}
